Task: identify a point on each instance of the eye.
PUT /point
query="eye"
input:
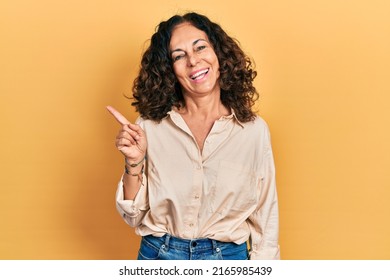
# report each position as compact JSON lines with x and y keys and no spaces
{"x":199,"y":48}
{"x":178,"y":57}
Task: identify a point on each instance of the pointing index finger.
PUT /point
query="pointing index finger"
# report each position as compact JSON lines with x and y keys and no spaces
{"x":118,"y":116}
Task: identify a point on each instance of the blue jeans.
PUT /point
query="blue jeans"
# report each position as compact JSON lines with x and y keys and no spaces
{"x":168,"y":247}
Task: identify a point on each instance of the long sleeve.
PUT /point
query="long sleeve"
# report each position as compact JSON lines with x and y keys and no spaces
{"x":264,"y":222}
{"x":132,"y":211}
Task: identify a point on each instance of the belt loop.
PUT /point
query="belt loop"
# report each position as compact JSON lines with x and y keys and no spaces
{"x":167,"y":237}
{"x":215,"y":246}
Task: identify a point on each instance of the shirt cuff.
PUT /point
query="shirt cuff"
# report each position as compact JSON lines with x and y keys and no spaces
{"x":265,"y":253}
{"x":131,"y":208}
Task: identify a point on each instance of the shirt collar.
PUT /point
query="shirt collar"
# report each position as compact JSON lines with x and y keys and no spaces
{"x":174,"y":114}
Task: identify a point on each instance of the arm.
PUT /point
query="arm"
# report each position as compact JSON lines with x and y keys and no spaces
{"x":131,"y":142}
{"x":132,"y":201}
{"x":264,"y":222}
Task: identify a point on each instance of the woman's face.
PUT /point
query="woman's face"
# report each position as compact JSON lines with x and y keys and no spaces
{"x":195,"y":63}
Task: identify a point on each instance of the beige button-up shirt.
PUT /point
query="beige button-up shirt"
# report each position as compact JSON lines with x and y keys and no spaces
{"x":227,"y":192}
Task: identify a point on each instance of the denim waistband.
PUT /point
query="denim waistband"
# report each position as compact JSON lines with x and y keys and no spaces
{"x":185,"y":244}
{"x":169,"y":247}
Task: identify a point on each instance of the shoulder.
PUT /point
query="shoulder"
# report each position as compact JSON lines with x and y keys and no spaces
{"x":143,"y":123}
{"x":258,"y":130}
{"x":147,"y":123}
{"x":258,"y":124}
{"x":140,"y":121}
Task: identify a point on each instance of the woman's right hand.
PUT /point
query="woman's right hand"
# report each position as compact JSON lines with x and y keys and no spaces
{"x":131,"y":139}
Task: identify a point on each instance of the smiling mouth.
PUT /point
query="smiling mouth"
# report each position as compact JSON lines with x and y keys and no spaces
{"x":199,"y":75}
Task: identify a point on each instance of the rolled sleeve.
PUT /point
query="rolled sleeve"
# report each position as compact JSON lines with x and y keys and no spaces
{"x":132,"y":211}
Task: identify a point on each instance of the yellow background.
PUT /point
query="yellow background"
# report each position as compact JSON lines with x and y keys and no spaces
{"x":324,"y":81}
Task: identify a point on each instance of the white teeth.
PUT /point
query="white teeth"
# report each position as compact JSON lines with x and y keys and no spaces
{"x":199,"y":74}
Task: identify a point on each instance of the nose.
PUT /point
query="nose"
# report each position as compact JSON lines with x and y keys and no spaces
{"x":193,"y":59}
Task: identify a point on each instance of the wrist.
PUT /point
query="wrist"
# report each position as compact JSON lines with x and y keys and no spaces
{"x":134,"y":167}
{"x":134,"y":163}
{"x":137,"y":171}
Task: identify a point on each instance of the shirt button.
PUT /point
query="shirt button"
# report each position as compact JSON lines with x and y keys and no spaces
{"x":191,"y":225}
{"x":196,"y":196}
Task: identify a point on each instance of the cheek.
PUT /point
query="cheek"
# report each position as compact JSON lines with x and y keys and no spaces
{"x":216,"y":67}
{"x":178,"y":70}
{"x":214,"y":61}
{"x":180,"y":77}
{"x":174,"y":67}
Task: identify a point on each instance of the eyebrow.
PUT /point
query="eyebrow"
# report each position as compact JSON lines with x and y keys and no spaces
{"x":193,"y":44}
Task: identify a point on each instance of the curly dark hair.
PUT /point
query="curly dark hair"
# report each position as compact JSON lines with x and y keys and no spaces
{"x":156,"y":89}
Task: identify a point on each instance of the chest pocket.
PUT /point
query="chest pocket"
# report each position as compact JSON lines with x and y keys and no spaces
{"x":236,"y":187}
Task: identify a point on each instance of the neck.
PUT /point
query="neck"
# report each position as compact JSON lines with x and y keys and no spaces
{"x":206,"y":107}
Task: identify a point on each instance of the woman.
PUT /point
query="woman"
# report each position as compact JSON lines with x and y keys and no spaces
{"x":199,"y":178}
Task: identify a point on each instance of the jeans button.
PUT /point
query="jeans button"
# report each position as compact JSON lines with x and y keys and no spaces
{"x":218,"y":250}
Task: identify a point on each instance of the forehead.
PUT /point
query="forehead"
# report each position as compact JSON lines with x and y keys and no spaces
{"x":185,"y":33}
